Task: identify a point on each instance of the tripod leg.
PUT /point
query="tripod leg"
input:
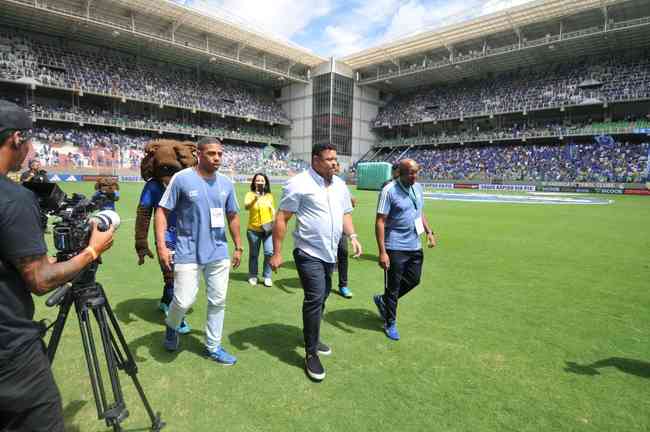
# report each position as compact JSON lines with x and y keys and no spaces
{"x":123,"y":353}
{"x":117,"y":412}
{"x":61,"y":318}
{"x":90,"y":352}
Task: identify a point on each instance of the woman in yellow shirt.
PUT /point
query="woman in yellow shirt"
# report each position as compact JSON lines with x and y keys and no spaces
{"x":261,"y":211}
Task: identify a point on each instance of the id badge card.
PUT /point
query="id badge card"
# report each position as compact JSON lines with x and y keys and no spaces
{"x":419,"y":226}
{"x":216,"y":218}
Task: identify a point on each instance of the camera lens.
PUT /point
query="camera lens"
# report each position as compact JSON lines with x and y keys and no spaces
{"x":107,"y":218}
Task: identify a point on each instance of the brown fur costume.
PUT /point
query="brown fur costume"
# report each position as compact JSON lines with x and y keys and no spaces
{"x":163,"y":158}
{"x":107,"y":184}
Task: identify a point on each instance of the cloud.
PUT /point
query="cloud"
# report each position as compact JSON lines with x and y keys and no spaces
{"x":343,"y":27}
{"x":283,"y":18}
{"x":342,"y":40}
{"x":492,"y":6}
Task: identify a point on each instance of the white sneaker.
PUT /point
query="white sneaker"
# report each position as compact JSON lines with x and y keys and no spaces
{"x":268,"y":282}
{"x":252,"y":281}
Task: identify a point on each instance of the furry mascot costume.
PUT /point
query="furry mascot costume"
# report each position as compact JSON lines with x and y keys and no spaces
{"x":163,"y":158}
{"x":107,"y":193}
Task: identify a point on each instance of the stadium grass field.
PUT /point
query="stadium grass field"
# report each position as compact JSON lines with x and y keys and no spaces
{"x":528,"y":318}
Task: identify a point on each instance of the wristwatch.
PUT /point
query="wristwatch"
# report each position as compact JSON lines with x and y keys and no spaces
{"x":353,"y":236}
{"x":239,"y":249}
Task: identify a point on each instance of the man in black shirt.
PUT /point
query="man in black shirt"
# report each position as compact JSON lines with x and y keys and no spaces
{"x":29,"y":398}
{"x":34,"y":173}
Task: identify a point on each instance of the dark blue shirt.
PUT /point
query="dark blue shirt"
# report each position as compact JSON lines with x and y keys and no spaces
{"x":149,"y":198}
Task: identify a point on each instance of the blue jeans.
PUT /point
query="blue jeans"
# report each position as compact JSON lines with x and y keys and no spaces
{"x":256,"y":238}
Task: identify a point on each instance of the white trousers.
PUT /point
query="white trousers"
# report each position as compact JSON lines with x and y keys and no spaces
{"x":186,"y":287}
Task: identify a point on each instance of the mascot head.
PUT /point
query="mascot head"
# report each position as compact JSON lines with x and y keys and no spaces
{"x":164,"y":158}
{"x":107,"y":184}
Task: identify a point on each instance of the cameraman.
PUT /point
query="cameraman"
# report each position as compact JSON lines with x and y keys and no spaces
{"x":34,"y":173}
{"x":29,"y":397}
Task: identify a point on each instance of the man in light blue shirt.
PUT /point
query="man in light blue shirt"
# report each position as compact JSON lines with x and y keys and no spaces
{"x":321,"y":203}
{"x":203,"y":200}
{"x":399,"y":223}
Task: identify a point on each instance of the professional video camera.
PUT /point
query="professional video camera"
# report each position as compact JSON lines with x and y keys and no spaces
{"x":71,"y":234}
{"x":72,"y":231}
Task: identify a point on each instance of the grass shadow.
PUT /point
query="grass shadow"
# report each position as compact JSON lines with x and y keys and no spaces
{"x":349,"y":319}
{"x":288,"y":265}
{"x":369,"y":257}
{"x":145,"y":309}
{"x":154,"y":343}
{"x":69,"y":413}
{"x":240,"y":276}
{"x":288,"y":285}
{"x":629,"y":366}
{"x":277,"y":340}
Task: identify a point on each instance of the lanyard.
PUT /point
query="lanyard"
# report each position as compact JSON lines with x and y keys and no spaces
{"x":410,"y":192}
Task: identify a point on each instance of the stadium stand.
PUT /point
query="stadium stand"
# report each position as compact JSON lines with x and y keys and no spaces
{"x":587,"y":82}
{"x":604,"y":160}
{"x":107,"y":72}
{"x":86,"y":147}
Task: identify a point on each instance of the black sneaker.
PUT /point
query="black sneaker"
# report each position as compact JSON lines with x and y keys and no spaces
{"x":324,"y":349}
{"x":314,"y":368}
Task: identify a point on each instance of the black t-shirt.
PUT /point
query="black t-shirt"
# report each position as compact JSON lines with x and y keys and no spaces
{"x":20,"y":236}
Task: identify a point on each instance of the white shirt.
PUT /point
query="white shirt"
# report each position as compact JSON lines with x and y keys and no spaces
{"x":319,"y":211}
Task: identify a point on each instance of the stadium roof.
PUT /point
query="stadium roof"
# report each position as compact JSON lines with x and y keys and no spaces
{"x":212,"y":24}
{"x":509,"y":19}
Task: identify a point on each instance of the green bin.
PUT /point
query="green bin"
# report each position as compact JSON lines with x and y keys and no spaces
{"x":371,"y":175}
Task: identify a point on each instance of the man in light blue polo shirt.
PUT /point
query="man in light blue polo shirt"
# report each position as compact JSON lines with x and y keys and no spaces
{"x":322,"y":205}
{"x":399,"y":223}
{"x":203,"y":201}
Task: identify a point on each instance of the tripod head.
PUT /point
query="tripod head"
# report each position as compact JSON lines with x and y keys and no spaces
{"x":84,"y":284}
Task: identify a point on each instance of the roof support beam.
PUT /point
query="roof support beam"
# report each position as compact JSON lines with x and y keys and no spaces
{"x":88,"y":4}
{"x":240,"y":47}
{"x":603,"y":9}
{"x":173,"y":27}
{"x":515,"y":28}
{"x":452,"y":52}
{"x":132,"y":21}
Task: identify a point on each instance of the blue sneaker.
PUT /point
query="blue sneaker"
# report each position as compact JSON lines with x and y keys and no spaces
{"x":381,"y":308}
{"x":164,"y":308}
{"x":221,"y":356}
{"x":183,"y":327}
{"x":391,"y":331}
{"x":345,"y":292}
{"x":171,"y":339}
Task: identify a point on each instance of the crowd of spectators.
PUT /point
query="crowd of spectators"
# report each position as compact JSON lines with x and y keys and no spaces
{"x":585,"y":82}
{"x":102,"y":117}
{"x":603,"y":160}
{"x":85,"y":148}
{"x":526,"y":130}
{"x":107,"y":72}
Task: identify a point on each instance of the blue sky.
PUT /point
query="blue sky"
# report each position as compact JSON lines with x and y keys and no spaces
{"x":342,"y":27}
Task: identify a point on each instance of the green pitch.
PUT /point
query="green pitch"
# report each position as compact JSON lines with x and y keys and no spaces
{"x":528,"y":318}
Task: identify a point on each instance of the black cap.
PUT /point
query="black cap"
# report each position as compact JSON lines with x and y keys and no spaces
{"x":13,"y":117}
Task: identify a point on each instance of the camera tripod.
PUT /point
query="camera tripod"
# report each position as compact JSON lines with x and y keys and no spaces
{"x":88,"y":297}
